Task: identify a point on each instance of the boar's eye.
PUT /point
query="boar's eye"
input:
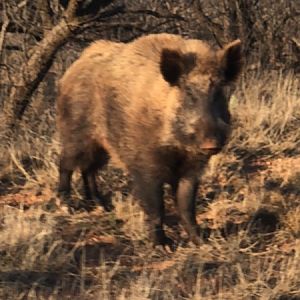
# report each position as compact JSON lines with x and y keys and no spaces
{"x":192,"y":95}
{"x":191,"y":101}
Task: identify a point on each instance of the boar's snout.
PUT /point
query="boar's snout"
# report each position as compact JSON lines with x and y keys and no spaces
{"x":214,"y":139}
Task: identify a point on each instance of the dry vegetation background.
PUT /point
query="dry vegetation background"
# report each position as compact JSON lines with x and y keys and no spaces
{"x":249,"y":200}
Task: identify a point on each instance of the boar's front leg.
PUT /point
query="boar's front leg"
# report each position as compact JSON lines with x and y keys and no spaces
{"x":186,"y":204}
{"x":149,"y":191}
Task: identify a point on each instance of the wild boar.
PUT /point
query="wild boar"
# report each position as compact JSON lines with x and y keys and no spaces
{"x":157,"y":107}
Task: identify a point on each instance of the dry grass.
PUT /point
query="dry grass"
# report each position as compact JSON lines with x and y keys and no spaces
{"x":249,"y":202}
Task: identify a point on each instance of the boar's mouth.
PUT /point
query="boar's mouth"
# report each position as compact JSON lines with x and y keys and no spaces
{"x":210,"y":151}
{"x":212,"y":146}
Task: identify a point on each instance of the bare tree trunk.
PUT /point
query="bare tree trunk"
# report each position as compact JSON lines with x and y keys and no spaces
{"x":33,"y":71}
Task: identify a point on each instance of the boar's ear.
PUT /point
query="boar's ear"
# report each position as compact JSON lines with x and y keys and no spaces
{"x":231,"y":60}
{"x":174,"y":64}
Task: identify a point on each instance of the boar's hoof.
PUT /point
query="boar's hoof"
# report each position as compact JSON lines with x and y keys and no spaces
{"x":104,"y":201}
{"x":166,"y":243}
{"x":106,"y":204}
{"x":90,"y":204}
{"x":64,"y":197}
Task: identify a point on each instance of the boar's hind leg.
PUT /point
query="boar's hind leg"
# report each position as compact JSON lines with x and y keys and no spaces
{"x":149,"y":191}
{"x":66,"y":166}
{"x":90,"y":184}
{"x":186,"y":202}
{"x":89,"y":172}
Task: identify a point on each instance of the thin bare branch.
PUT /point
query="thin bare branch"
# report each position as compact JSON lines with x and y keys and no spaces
{"x":156,"y":14}
{"x":44,"y":11}
{"x":296,"y":42}
{"x":70,"y":12}
{"x":3,"y":29}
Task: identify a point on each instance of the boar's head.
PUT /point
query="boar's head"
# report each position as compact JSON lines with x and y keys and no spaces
{"x":202,"y":79}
